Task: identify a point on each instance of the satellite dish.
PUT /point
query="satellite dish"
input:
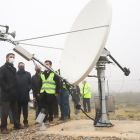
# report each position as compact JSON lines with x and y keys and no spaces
{"x":82,"y":49}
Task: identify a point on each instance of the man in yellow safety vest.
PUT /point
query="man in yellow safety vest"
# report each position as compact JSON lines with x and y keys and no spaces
{"x":86,"y":95}
{"x":49,"y":89}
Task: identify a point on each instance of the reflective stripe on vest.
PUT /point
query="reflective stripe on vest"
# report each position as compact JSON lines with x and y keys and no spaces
{"x":64,"y":85}
{"x":48,"y":85}
{"x":47,"y":88}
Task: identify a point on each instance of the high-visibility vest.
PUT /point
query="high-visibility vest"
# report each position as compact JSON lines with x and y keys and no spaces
{"x":64,"y":85}
{"x":48,"y":85}
{"x":86,"y":89}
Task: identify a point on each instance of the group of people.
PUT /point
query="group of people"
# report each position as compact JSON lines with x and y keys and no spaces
{"x":48,"y":90}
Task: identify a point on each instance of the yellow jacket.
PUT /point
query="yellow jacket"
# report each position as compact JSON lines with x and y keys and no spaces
{"x":85,"y":89}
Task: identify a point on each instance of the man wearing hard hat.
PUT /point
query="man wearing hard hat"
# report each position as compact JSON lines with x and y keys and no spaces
{"x":86,"y":95}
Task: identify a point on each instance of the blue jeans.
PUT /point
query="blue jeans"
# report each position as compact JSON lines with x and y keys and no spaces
{"x":10,"y":114}
{"x":63,"y":101}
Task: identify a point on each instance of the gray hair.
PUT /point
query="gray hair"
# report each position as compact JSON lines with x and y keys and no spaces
{"x":37,"y":67}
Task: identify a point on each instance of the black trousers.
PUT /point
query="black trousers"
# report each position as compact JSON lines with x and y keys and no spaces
{"x":36,"y":107}
{"x":49,"y":109}
{"x":24,"y":106}
{"x":5,"y":111}
{"x":55,"y":108}
{"x":86,"y":101}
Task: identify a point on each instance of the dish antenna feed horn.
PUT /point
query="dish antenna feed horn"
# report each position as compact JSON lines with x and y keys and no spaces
{"x":5,"y":33}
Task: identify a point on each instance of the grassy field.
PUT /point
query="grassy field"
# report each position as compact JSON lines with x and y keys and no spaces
{"x":122,"y":110}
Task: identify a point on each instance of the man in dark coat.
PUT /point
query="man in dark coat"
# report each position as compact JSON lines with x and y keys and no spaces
{"x":8,"y":85}
{"x":35,"y":87}
{"x":24,"y":86}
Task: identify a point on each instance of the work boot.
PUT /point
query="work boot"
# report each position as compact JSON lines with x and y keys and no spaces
{"x":55,"y":116}
{"x":51,"y":123}
{"x":37,"y":123}
{"x":61,"y":120}
{"x":20,"y":127}
{"x":65,"y":119}
{"x":5,"y":132}
{"x":26,"y":125}
{"x":11,"y":122}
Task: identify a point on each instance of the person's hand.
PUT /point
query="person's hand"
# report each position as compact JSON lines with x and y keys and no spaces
{"x":34,"y":98}
{"x":83,"y":94}
{"x":38,"y":94}
{"x":56,"y":94}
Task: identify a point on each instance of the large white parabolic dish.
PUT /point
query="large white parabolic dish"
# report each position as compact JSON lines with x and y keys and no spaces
{"x":82,"y":49}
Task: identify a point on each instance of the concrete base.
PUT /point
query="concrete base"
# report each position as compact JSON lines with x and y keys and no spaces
{"x":127,"y":129}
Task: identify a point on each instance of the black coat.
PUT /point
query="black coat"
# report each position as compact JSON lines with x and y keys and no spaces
{"x":0,"y":96}
{"x":8,"y":82}
{"x":23,"y":85}
{"x":35,"y":85}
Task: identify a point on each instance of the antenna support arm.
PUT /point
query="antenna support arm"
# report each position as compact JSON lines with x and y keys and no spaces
{"x":125,"y":70}
{"x":92,"y":76}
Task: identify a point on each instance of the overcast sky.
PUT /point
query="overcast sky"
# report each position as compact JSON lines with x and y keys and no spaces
{"x":33,"y":18}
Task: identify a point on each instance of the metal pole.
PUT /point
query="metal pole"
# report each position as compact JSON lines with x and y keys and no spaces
{"x":101,"y":90}
{"x":51,"y":70}
{"x":101,"y":75}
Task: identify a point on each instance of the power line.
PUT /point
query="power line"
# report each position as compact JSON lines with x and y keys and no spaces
{"x":63,"y":33}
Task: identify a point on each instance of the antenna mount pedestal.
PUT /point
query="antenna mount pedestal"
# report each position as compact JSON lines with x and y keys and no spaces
{"x":102,"y":113}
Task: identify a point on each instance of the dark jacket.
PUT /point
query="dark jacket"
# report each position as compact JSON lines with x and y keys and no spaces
{"x":8,"y":82}
{"x":0,"y":96}
{"x":76,"y":93}
{"x":23,"y":85}
{"x":35,"y":85}
{"x":46,"y":96}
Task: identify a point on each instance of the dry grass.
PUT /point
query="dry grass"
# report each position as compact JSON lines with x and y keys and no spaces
{"x":122,"y":111}
{"x":31,"y":119}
